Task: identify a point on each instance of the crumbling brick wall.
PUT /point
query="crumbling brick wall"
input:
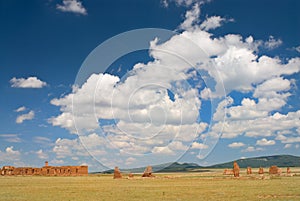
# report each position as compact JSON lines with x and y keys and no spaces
{"x":46,"y":170}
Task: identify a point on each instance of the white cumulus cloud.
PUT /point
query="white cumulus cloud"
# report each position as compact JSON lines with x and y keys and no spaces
{"x":21,"y":109}
{"x":252,"y":149}
{"x":287,"y":146}
{"x":212,"y":22}
{"x":30,"y":82}
{"x":265,"y":142}
{"x":230,"y":64}
{"x":191,"y":18}
{"x":23,"y":117}
{"x":41,"y":154}
{"x":10,"y":155}
{"x":182,"y":2}
{"x":236,"y":145}
{"x":73,"y":6}
{"x":197,"y":145}
{"x":273,"y":43}
{"x":297,"y":48}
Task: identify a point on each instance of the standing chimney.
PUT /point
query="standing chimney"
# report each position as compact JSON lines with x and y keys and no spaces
{"x":46,"y":163}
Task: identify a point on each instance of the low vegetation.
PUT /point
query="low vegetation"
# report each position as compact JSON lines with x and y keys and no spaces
{"x":210,"y":185}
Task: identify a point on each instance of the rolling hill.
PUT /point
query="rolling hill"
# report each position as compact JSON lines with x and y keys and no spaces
{"x":263,"y":161}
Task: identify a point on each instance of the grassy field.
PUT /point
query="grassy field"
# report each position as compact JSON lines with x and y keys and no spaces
{"x":173,"y":186}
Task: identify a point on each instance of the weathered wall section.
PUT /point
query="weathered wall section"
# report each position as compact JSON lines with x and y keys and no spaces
{"x":45,"y":171}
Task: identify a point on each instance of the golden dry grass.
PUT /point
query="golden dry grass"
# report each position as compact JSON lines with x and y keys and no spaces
{"x":170,"y":186}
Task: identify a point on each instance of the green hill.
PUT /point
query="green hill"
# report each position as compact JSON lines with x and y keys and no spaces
{"x":182,"y":167}
{"x":264,"y":161}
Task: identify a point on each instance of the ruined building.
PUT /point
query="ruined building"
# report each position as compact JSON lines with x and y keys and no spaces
{"x":249,"y":170}
{"x":261,"y":170}
{"x":236,"y":169}
{"x":148,"y":172}
{"x":228,"y":172}
{"x":274,"y":170}
{"x":117,"y":173}
{"x":45,"y":171}
{"x":288,"y":170}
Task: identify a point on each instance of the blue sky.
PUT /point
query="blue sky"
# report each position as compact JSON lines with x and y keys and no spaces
{"x":241,"y":55}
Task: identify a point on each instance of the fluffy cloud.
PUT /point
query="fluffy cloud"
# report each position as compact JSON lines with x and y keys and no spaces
{"x":191,"y":18}
{"x":130,"y":160}
{"x":21,"y":109}
{"x":57,"y":162}
{"x":236,"y":145}
{"x":73,"y":6}
{"x":182,"y":2}
{"x":10,"y":155}
{"x":30,"y":82}
{"x":142,"y":118}
{"x":135,"y":108}
{"x":165,"y":3}
{"x":252,"y":149}
{"x":265,"y":142}
{"x":76,"y":147}
{"x":197,"y":145}
{"x":288,"y":139}
{"x":272,"y":88}
{"x":212,"y":23}
{"x":272,"y":43}
{"x":67,"y":148}
{"x":259,"y":126}
{"x":41,"y":155}
{"x":297,"y":48}
{"x":23,"y":117}
{"x":234,"y":66}
{"x":287,"y":146}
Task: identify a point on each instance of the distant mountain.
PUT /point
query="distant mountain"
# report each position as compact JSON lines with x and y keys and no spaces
{"x":182,"y":167}
{"x":168,"y":167}
{"x":263,"y":161}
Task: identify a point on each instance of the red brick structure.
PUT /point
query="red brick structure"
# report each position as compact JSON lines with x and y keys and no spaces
{"x":45,"y":171}
{"x":130,"y":175}
{"x":228,"y":172}
{"x":249,"y":170}
{"x":117,"y":173}
{"x":148,"y":172}
{"x":236,"y":169}
{"x":274,"y":170}
{"x":260,"y":170}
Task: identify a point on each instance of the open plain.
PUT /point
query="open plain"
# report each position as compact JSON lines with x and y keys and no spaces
{"x":211,"y":185}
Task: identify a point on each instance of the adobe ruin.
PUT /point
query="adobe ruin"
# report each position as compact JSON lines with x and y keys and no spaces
{"x":236,"y":169}
{"x":45,"y":171}
{"x":274,"y":170}
{"x":249,"y":170}
{"x":148,"y":172}
{"x":288,"y":170}
{"x":117,"y":173}
{"x":261,"y":170}
{"x":130,"y":175}
{"x":228,"y":172}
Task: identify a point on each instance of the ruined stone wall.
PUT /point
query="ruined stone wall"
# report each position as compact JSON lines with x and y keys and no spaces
{"x":236,"y":169}
{"x":249,"y":170}
{"x":46,"y":171}
{"x":228,"y":172}
{"x":274,"y":170}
